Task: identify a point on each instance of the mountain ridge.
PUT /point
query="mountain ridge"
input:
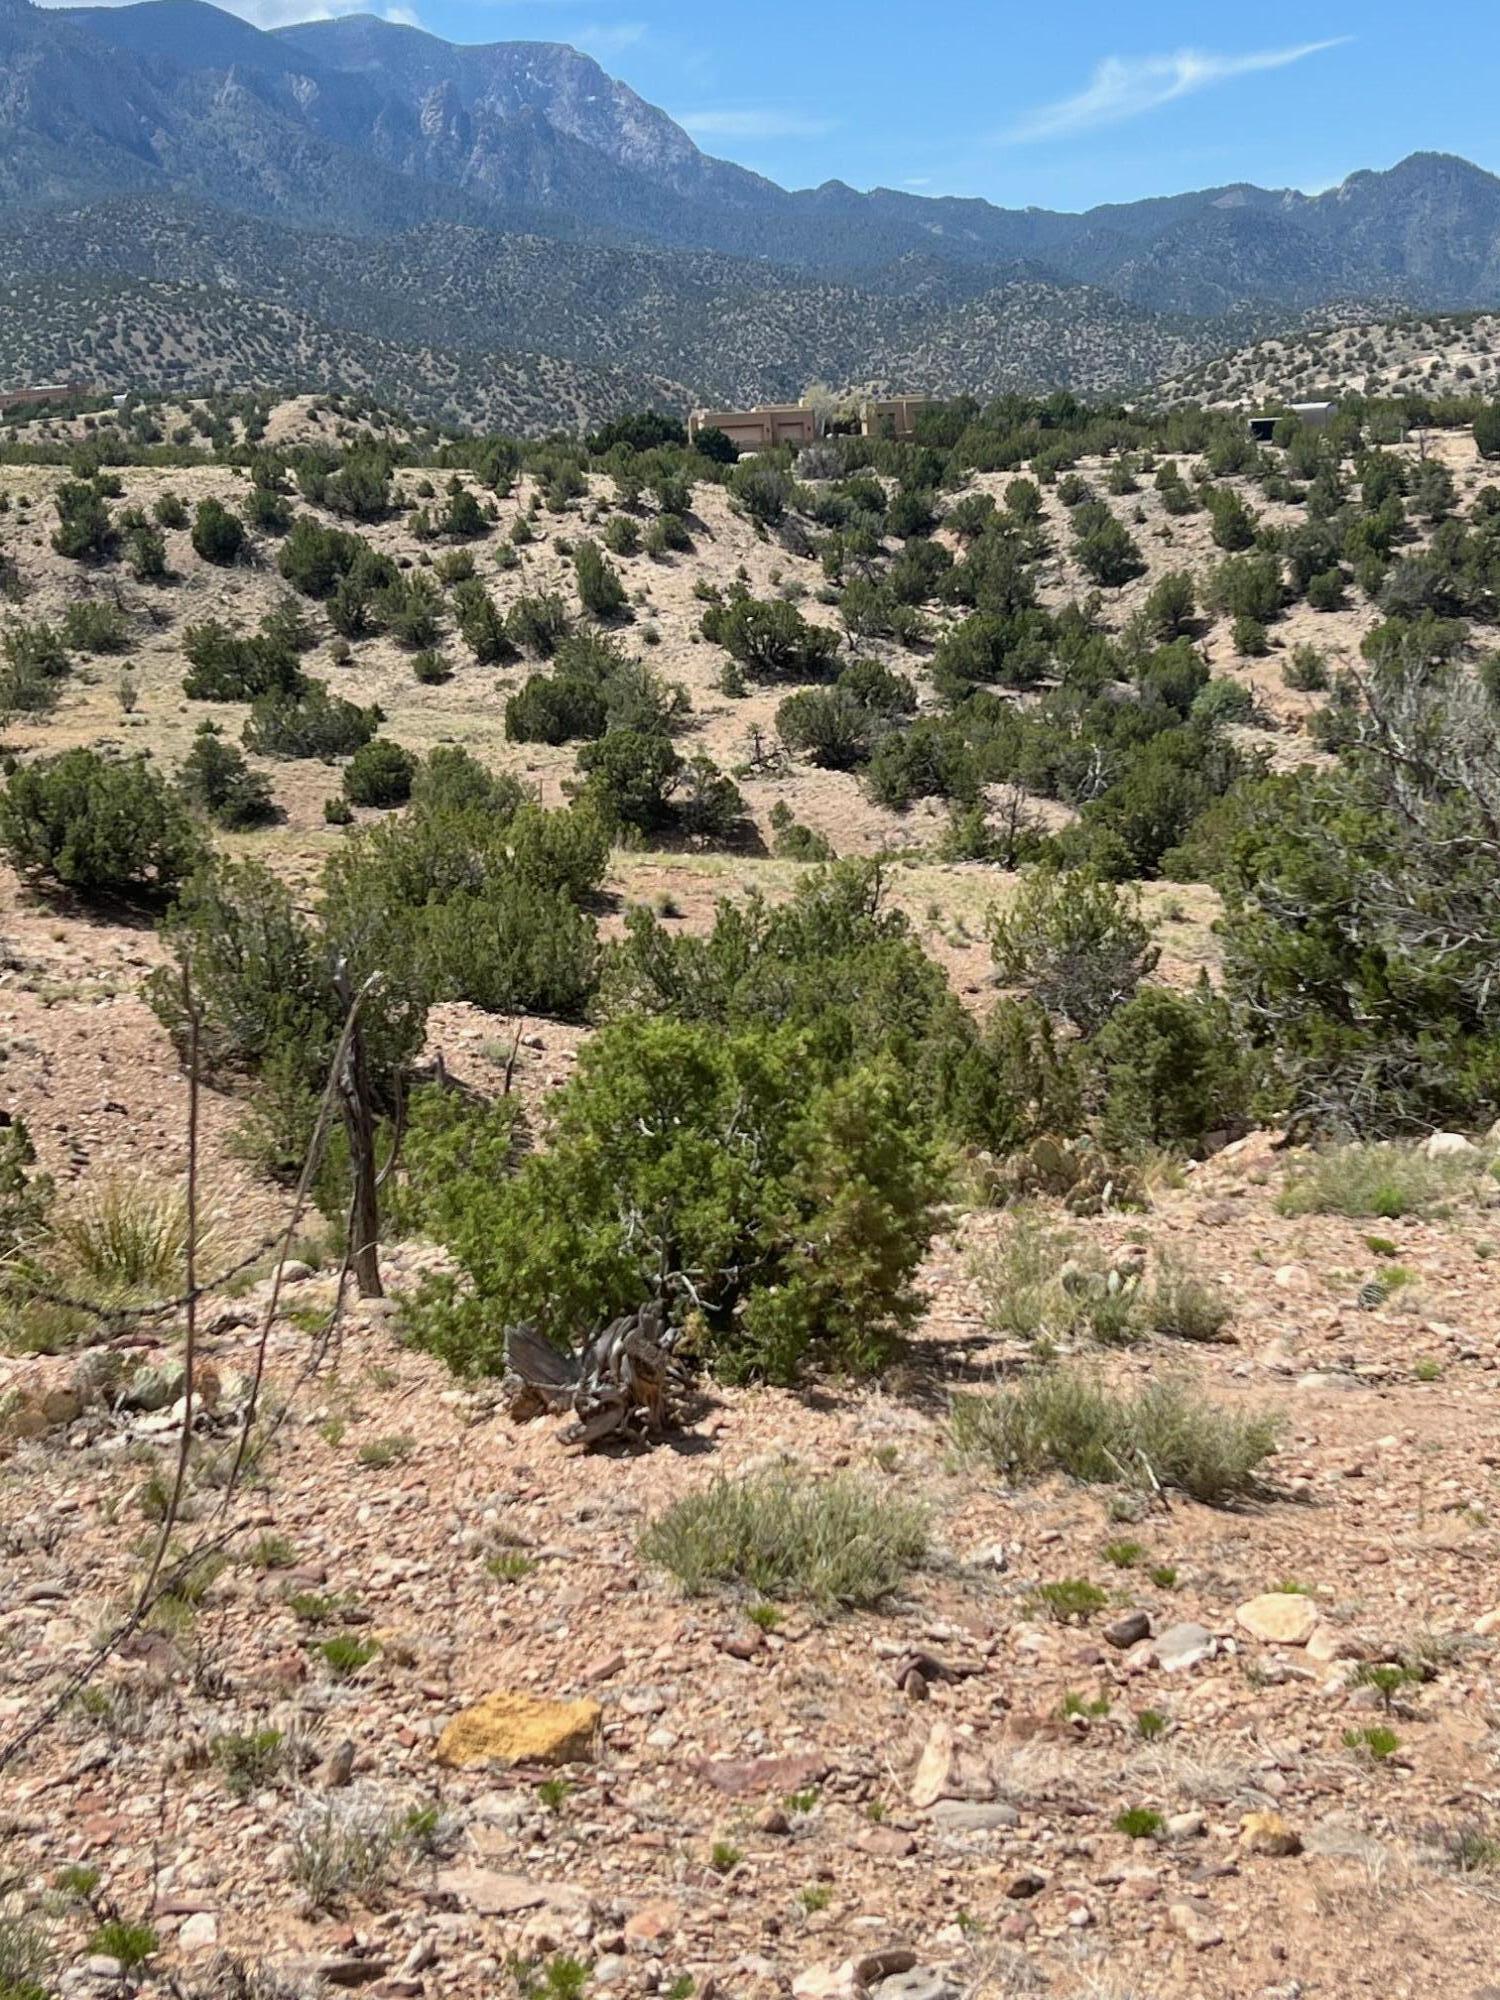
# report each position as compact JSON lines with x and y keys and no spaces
{"x":387,"y":195}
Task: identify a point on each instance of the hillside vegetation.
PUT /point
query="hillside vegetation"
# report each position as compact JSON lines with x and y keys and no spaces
{"x":749,"y":1204}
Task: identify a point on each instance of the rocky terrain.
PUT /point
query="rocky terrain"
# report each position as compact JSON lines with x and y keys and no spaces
{"x":438,"y":1721}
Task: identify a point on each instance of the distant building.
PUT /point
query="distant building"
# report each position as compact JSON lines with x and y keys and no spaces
{"x":802,"y":423}
{"x":43,"y":392}
{"x":892,"y":416}
{"x":1316,"y":416}
{"x":755,"y":430}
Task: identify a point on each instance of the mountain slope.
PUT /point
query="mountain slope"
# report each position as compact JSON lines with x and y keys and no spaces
{"x":363,"y":124}
{"x":100,"y":292}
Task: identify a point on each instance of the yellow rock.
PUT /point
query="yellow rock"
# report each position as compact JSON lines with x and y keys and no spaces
{"x":520,"y":1729}
{"x":1268,"y":1833}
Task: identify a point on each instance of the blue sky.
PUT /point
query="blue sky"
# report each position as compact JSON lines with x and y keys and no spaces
{"x":1060,"y":105}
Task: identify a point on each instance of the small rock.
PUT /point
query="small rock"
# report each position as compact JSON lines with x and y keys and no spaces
{"x":1129,"y":1630}
{"x":1184,"y":1646}
{"x":1487,"y":1626}
{"x":949,"y":1769}
{"x":200,"y":1932}
{"x":653,"y":1922}
{"x":1283,"y":1617}
{"x":337,"y":1768}
{"x":828,"y":1982}
{"x":1268,"y":1833}
{"x":974,"y":1815}
{"x":918,"y":1984}
{"x":1021,"y":1888}
{"x":352,"y":1971}
{"x":1328,"y":1644}
{"x":739,"y":1776}
{"x":1185,"y":1826}
{"x":1450,"y":1146}
{"x":888,"y":1842}
{"x":1194,"y":1921}
{"x":771,"y":1819}
{"x":520,"y":1729}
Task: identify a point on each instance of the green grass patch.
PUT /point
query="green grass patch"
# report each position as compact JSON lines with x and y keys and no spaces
{"x":1382,"y":1180}
{"x":839,"y":1543}
{"x":1067,"y":1420}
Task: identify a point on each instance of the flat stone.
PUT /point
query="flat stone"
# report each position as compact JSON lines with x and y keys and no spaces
{"x":200,"y":1932}
{"x":1184,"y":1646}
{"x":1129,"y":1630}
{"x":493,"y":1894}
{"x":1487,"y":1625}
{"x":918,"y":1984}
{"x":1282,"y":1617}
{"x":1194,"y":1921}
{"x":740,"y":1776}
{"x":974,"y":1815}
{"x":887,"y":1842}
{"x":509,"y":1728}
{"x":950,"y":1769}
{"x":1185,"y":1826}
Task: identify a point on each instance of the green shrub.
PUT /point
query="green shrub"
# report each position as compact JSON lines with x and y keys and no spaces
{"x":1167,"y":1434}
{"x":827,"y":725}
{"x":1045,"y":1286}
{"x":799,"y":1201}
{"x":310,"y":724}
{"x":1306,"y":672}
{"x":144,"y":547}
{"x":536,"y":623}
{"x":379,"y":774}
{"x":1170,"y":606}
{"x":794,"y":842}
{"x":100,"y":826}
{"x":1183,"y":1306}
{"x":1078,"y":944}
{"x":1172,"y":1070}
{"x":170,"y":510}
{"x":227,"y":667}
{"x":85,"y":531}
{"x":25,"y":1197}
{"x":91,"y":626}
{"x":835,"y":1542}
{"x":271,"y":512}
{"x":216,"y":781}
{"x":600,"y":590}
{"x":622,"y":535}
{"x":33,"y":663}
{"x":249,"y":1759}
{"x":1071,"y":1599}
{"x":771,"y":641}
{"x":218,"y":535}
{"x":1104,"y":549}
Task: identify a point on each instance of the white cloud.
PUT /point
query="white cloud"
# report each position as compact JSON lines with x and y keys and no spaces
{"x":764,"y":122}
{"x":606,"y":37}
{"x":1127,"y":86}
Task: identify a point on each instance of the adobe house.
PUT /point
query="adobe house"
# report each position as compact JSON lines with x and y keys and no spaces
{"x":754,"y":430}
{"x":892,"y":416}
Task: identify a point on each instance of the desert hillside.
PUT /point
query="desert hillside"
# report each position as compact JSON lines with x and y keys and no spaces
{"x":971,"y":958}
